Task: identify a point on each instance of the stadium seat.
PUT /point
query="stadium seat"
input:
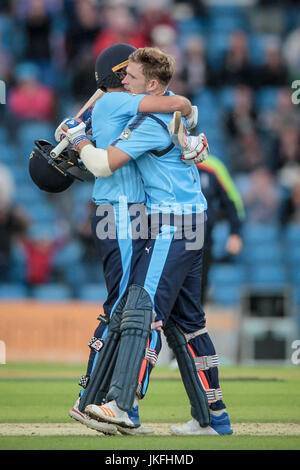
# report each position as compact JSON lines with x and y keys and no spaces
{"x":257,"y":253}
{"x":216,"y":46}
{"x":272,"y":274}
{"x":226,"y":97}
{"x":225,"y":273}
{"x":29,"y":193}
{"x":52,"y":293}
{"x":292,"y":255}
{"x":294,"y":274}
{"x":267,"y":98}
{"x":12,"y":291}
{"x":297,"y":296}
{"x":226,"y":295}
{"x":39,"y":212}
{"x":190,"y":26}
{"x":93,"y":292}
{"x":260,"y":233}
{"x":292,"y":234}
{"x":257,"y":45}
{"x":227,"y":23}
{"x":8,"y":155}
{"x":4,"y":136}
{"x":29,"y":132}
{"x":220,"y":232}
{"x":69,"y":255}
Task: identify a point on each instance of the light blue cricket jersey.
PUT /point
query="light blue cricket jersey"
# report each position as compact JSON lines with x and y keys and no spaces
{"x":170,"y":184}
{"x":109,"y":117}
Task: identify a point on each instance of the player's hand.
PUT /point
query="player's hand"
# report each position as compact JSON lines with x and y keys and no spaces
{"x":192,"y":119}
{"x":59,"y":135}
{"x":74,"y":130}
{"x":196,"y":149}
{"x":234,"y":244}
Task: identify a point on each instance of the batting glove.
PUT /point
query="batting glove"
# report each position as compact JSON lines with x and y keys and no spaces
{"x":59,"y":135}
{"x":192,"y":121}
{"x":74,"y":130}
{"x":195,"y":149}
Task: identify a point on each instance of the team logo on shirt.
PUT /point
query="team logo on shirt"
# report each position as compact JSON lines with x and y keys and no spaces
{"x":125,"y":134}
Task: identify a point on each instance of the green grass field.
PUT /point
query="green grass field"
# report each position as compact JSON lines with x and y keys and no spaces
{"x":43,"y":393}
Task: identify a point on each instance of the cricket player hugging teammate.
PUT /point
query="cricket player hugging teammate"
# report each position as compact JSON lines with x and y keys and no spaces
{"x":141,"y":154}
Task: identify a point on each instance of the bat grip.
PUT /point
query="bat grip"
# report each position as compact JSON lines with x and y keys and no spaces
{"x":56,"y":151}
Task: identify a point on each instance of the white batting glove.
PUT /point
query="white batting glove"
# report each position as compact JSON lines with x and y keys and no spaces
{"x":192,"y":121}
{"x":195,"y":149}
{"x":74,"y":130}
{"x":59,"y":135}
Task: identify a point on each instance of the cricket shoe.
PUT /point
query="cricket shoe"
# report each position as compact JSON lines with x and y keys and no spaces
{"x":126,"y":423}
{"x":110,"y":413}
{"x":220,"y":425}
{"x":139,"y":428}
{"x":83,"y":418}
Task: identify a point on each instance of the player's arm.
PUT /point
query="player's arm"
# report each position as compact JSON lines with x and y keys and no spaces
{"x":103,"y":162}
{"x":165,"y":104}
{"x":232,"y":205}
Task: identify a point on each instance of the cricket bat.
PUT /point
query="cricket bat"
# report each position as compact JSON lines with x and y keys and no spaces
{"x":56,"y":151}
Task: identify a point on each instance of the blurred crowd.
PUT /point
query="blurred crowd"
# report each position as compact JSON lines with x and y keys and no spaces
{"x":239,"y":63}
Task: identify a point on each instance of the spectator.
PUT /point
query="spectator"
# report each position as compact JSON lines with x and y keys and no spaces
{"x":246,"y":153}
{"x":223,"y":202}
{"x":30,"y":99}
{"x":82,"y":79}
{"x":152,"y":14}
{"x":42,"y":25}
{"x":291,"y":51}
{"x":120,"y":27}
{"x":90,"y":255}
{"x":11,"y":43}
{"x":195,"y":73}
{"x":236,"y":68}
{"x":39,"y":251}
{"x":164,"y":37}
{"x":286,"y":149}
{"x":13,"y":222}
{"x":242,"y":118}
{"x":84,"y":26}
{"x":290,"y":212}
{"x":262,"y":198}
{"x":274,"y":71}
{"x":284,"y":114}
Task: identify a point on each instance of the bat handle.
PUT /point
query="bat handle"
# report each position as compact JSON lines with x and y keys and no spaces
{"x":56,"y":151}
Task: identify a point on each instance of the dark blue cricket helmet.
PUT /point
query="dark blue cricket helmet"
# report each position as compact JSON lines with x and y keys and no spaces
{"x":49,"y":174}
{"x":111,"y":65}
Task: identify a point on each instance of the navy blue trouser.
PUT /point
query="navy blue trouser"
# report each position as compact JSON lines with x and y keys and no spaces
{"x":170,"y":270}
{"x":119,"y":253}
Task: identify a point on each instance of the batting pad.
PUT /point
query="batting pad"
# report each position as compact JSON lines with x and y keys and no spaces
{"x":194,"y":389}
{"x":135,"y":331}
{"x":99,"y":382}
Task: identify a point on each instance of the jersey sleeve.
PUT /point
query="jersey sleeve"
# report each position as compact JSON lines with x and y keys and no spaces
{"x":129,"y":102}
{"x":142,"y":135}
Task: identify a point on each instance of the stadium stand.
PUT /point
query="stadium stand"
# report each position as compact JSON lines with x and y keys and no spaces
{"x":271,"y":249}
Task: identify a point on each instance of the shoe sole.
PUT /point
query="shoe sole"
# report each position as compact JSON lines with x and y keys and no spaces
{"x":139,"y":431}
{"x":105,"y":428}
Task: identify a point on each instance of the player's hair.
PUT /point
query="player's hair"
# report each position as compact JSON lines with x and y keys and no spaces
{"x":155,"y":64}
